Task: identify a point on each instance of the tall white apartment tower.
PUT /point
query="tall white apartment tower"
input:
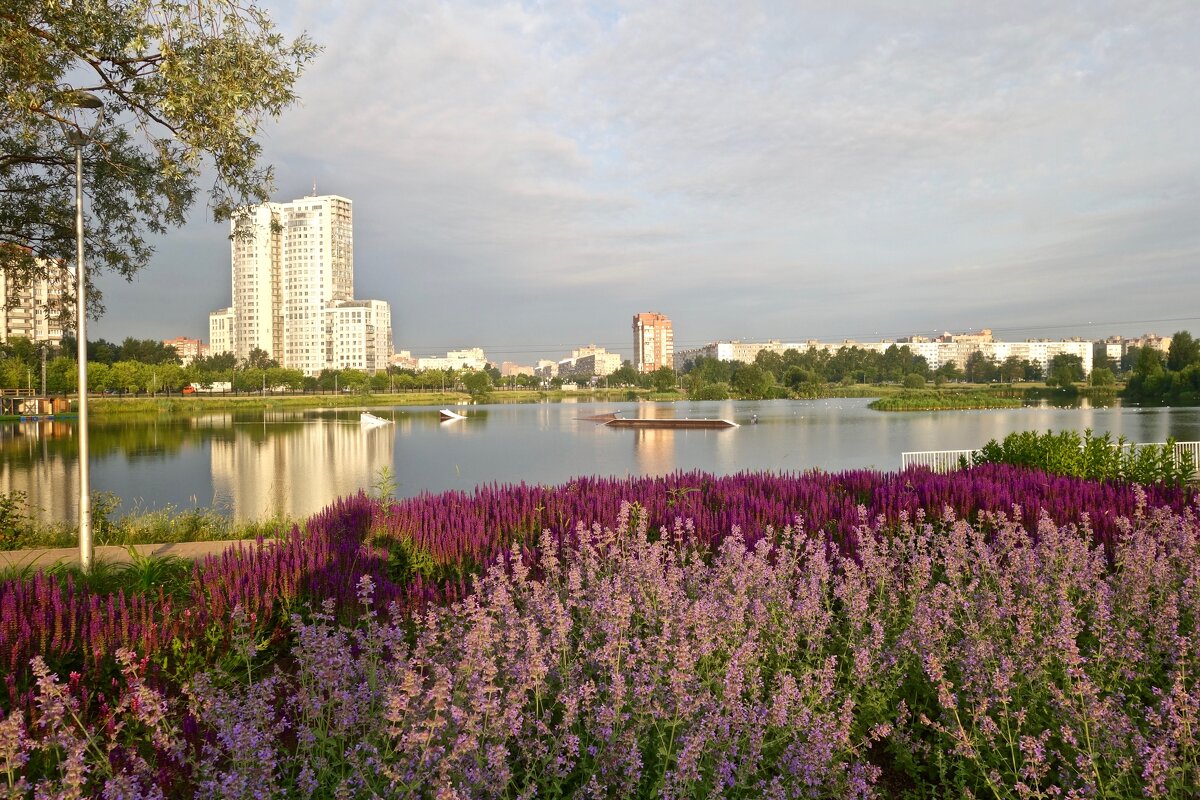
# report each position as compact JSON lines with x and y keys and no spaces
{"x":257,"y":302}
{"x":291,"y":261}
{"x":293,"y":290}
{"x":317,"y":271}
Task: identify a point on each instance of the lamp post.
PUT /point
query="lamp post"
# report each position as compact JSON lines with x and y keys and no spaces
{"x":75,"y":100}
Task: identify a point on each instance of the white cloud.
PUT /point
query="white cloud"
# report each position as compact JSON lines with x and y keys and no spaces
{"x":800,"y":163}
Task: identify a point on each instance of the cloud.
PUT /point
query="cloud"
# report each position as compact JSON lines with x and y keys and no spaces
{"x":781,"y":168}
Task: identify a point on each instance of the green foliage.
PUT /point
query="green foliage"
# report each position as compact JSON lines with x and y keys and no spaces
{"x":14,"y":518}
{"x":1184,"y":352}
{"x":478,"y":384}
{"x":943,"y":399}
{"x":385,"y":484}
{"x":752,"y":382}
{"x":181,"y":81}
{"x":710,"y":391}
{"x":405,"y":561}
{"x":663,"y":379}
{"x":1092,"y":457}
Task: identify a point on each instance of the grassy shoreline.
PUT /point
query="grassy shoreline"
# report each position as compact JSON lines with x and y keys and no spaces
{"x":193,"y":404}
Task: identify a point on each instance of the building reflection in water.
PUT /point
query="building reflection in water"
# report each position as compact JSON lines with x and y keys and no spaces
{"x":654,"y":450}
{"x":34,"y":463}
{"x":294,"y":470}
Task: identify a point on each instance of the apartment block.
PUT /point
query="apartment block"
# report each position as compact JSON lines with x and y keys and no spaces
{"x":221,"y":331}
{"x":358,"y":335}
{"x":34,"y":311}
{"x":187,"y":349}
{"x":293,"y":274}
{"x":945,"y":349}
{"x":653,"y":341}
{"x":472,"y":358}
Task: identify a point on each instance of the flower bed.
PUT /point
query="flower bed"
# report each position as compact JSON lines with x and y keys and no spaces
{"x":992,"y":631}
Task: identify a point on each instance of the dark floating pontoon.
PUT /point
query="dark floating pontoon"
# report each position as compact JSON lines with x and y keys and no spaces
{"x":670,"y":423}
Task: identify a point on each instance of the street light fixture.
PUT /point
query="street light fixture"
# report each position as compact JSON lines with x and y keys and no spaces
{"x":78,"y":105}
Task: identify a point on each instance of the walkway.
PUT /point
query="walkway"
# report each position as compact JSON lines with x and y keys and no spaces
{"x":114,"y":554}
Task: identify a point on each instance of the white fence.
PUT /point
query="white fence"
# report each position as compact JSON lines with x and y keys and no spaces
{"x":936,"y":460}
{"x":949,"y":460}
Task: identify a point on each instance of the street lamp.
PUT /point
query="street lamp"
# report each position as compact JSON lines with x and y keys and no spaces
{"x":78,"y":134}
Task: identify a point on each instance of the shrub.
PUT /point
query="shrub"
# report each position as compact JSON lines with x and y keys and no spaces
{"x":1092,"y":457}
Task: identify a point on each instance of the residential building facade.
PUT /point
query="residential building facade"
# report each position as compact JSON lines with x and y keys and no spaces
{"x":357,"y":335}
{"x":653,"y":341}
{"x":220,"y":331}
{"x":293,"y":274}
{"x":472,"y":358}
{"x":35,"y":310}
{"x":187,"y":349}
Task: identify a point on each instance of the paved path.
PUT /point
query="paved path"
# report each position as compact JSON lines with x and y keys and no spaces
{"x":113,"y":554}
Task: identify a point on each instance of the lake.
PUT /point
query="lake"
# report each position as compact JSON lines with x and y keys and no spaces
{"x":253,"y":465}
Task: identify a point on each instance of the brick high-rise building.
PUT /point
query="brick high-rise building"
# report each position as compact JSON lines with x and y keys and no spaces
{"x":653,"y":341}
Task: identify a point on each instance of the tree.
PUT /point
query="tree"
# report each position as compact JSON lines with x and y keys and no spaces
{"x":260,"y":359}
{"x":147,"y":351}
{"x":663,"y":379}
{"x":182,"y":82}
{"x":625,"y":375}
{"x":478,"y":384}
{"x":1064,"y":369}
{"x":1184,"y":351}
{"x":1102,"y":376}
{"x":980,"y":369}
{"x":752,"y":382}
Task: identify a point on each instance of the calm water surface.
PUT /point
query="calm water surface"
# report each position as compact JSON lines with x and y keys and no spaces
{"x":296,"y":462}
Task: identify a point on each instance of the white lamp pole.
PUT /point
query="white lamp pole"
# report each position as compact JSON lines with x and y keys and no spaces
{"x":77,"y":138}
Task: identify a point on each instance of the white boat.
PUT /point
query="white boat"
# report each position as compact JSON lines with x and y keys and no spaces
{"x":368,"y":420}
{"x":448,"y":415}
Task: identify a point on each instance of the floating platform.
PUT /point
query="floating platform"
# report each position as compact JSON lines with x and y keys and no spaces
{"x":671,"y":423}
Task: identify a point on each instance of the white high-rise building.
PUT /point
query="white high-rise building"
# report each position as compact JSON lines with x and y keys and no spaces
{"x":255,"y":246}
{"x":293,"y":265}
{"x":358,"y":335}
{"x":220,"y":331}
{"x":318,"y":270}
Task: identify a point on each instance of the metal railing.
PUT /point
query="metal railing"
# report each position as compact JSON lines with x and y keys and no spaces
{"x":936,"y":460}
{"x":949,"y":460}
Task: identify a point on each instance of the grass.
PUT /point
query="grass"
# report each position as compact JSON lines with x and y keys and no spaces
{"x":193,"y":404}
{"x":141,"y":574}
{"x":167,"y":525}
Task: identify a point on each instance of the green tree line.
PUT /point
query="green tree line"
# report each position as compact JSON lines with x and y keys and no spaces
{"x":1171,"y":377}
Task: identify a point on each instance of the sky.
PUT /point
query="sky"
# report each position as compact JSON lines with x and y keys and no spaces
{"x":527,"y":177}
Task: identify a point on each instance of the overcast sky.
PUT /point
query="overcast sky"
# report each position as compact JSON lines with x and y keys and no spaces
{"x":525,"y":178}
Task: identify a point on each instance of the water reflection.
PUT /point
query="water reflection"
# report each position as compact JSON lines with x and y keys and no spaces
{"x":34,"y":466}
{"x":296,"y":462}
{"x":278,"y":469}
{"x":654,"y":450}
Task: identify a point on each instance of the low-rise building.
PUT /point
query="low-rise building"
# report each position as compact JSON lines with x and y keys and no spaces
{"x":471,"y":358}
